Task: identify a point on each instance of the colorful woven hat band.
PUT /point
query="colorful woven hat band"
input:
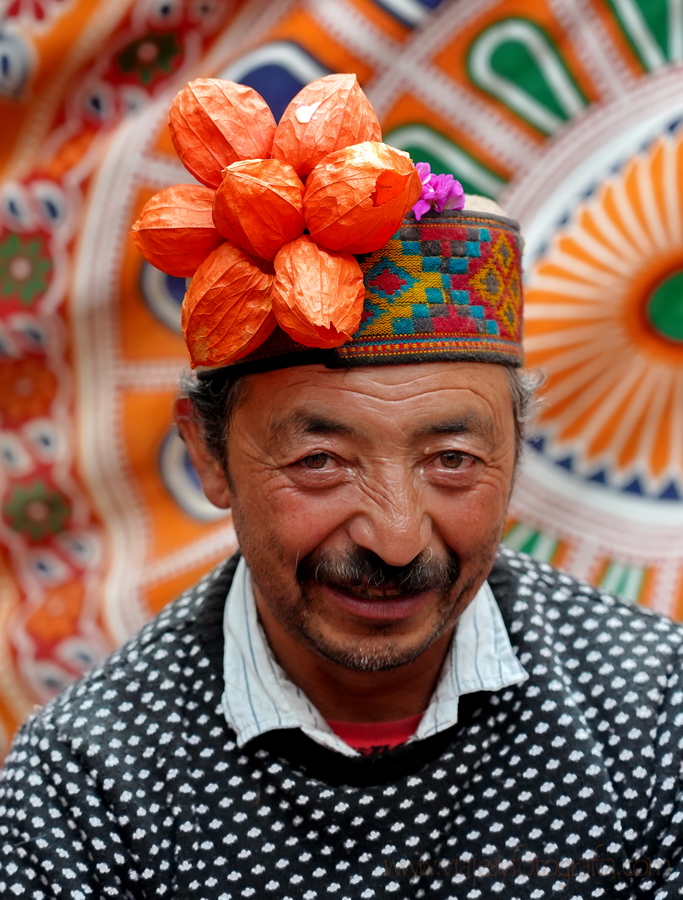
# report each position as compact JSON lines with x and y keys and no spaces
{"x":307,"y":239}
{"x":447,"y":287}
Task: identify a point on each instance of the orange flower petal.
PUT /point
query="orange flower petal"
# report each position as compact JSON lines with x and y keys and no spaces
{"x":259,"y":205}
{"x":226,"y":307}
{"x":356,"y":198}
{"x":328,"y":114}
{"x":175,"y":230}
{"x":267,"y":327}
{"x":214,"y":123}
{"x":317,"y":296}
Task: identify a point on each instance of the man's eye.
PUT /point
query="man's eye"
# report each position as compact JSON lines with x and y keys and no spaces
{"x":315,"y":461}
{"x":453,"y":459}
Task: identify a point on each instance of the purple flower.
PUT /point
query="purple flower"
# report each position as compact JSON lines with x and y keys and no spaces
{"x":439,"y":192}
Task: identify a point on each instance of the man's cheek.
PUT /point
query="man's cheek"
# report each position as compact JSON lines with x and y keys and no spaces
{"x":311,"y":518}
{"x":465,"y":525}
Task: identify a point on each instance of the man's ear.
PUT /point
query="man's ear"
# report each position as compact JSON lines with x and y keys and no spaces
{"x":211,"y":472}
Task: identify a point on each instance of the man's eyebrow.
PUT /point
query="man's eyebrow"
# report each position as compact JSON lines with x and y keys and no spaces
{"x":300,"y":424}
{"x":469,"y":423}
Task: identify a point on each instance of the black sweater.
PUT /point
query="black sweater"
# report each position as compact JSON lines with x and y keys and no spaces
{"x":129,"y":784}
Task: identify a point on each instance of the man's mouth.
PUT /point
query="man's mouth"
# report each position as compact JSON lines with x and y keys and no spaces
{"x":379,"y":602}
{"x":363,"y":585}
{"x":374,"y":593}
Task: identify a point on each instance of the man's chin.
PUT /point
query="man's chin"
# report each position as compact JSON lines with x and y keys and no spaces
{"x":370,"y":644}
{"x":367,"y":656}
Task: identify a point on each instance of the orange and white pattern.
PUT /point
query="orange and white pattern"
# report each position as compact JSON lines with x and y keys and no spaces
{"x":605,"y":323}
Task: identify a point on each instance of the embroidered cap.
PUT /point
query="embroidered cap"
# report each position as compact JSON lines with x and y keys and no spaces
{"x":447,"y":287}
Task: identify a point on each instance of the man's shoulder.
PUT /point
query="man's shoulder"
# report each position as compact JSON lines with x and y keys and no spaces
{"x":183,"y":643}
{"x":542,"y":604}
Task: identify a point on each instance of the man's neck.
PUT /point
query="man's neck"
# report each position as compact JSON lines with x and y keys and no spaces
{"x":347,"y":695}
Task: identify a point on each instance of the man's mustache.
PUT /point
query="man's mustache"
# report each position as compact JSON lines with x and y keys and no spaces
{"x":361,"y":569}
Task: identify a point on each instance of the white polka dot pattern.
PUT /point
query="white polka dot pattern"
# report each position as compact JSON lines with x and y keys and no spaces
{"x":129,"y":785}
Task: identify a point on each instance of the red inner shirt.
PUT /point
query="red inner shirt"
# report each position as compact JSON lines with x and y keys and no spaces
{"x":374,"y":737}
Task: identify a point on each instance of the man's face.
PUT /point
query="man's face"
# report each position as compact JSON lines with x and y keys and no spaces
{"x":369,"y":503}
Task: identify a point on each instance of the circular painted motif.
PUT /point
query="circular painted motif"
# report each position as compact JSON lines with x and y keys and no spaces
{"x":665,"y":308}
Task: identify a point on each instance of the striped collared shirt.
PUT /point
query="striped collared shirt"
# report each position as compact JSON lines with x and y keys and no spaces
{"x":259,"y":696}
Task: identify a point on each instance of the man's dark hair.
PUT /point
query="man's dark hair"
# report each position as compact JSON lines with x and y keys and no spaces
{"x":214,"y":396}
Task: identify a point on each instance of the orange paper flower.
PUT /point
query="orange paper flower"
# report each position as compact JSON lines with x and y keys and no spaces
{"x":357,"y":197}
{"x":175,"y":230}
{"x":317,"y":296}
{"x":214,"y":123}
{"x":358,"y":191}
{"x":226,"y":307}
{"x":328,"y":114}
{"x":259,"y":206}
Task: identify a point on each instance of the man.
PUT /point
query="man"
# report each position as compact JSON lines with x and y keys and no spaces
{"x":372,"y":699}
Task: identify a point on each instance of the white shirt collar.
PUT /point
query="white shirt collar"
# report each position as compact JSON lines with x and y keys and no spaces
{"x":259,"y":697}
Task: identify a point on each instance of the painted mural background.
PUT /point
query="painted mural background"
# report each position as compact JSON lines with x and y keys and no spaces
{"x":568,"y":112}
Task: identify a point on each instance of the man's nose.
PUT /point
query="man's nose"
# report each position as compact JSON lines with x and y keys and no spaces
{"x":392,"y":523}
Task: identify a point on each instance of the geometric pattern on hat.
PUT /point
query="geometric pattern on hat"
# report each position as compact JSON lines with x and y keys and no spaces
{"x":447,"y":287}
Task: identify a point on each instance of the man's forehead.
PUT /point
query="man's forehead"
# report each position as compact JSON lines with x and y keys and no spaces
{"x":419,"y":400}
{"x":396,"y":381}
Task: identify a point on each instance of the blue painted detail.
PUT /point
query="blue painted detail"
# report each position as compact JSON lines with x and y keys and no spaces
{"x":190,"y":472}
{"x":484,"y":234}
{"x":52,"y":204}
{"x":181,"y":480}
{"x":472,"y":248}
{"x":163,"y":295}
{"x":421,"y":310}
{"x":412,"y":14}
{"x":51,"y":209}
{"x":431,"y":263}
{"x":14,"y":205}
{"x":278,"y":71}
{"x":477,"y":312}
{"x":461,"y":297}
{"x":492,"y":327}
{"x":671,"y":492}
{"x":33,"y":334}
{"x":15,"y":64}
{"x":634,"y":487}
{"x":276,"y":85}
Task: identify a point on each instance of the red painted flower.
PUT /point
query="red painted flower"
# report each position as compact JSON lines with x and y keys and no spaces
{"x":28,"y":389}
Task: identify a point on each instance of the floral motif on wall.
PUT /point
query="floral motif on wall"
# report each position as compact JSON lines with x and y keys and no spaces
{"x":25,"y":267}
{"x":28,"y":389}
{"x":36,"y":510}
{"x":150,"y":57}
